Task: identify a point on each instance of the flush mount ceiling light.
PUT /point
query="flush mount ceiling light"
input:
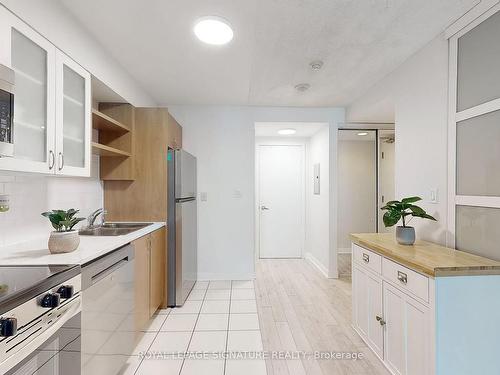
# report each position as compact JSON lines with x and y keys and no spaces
{"x":301,"y":87}
{"x":316,"y":65}
{"x":213,"y":30}
{"x":362,"y":134}
{"x":287,"y":131}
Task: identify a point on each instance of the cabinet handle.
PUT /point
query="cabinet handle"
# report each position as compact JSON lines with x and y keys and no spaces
{"x":403,"y":277}
{"x":380,"y":320}
{"x":61,"y":159}
{"x":52,"y":160}
{"x":366,"y":258}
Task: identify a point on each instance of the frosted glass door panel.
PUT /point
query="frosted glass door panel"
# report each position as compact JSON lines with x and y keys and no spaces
{"x":73,"y":118}
{"x":477,"y":231}
{"x":478,"y":78}
{"x":29,"y":62}
{"x":478,"y":155}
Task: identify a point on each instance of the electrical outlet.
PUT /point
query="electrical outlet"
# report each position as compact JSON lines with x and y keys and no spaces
{"x":203,"y":196}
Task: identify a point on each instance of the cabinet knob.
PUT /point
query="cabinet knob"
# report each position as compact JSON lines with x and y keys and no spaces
{"x":380,"y":320}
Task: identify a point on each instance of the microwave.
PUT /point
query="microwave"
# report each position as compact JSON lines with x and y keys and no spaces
{"x":6,"y":111}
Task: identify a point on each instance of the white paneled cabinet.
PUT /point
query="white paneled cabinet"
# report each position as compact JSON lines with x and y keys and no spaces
{"x":52,"y":125}
{"x":390,"y":314}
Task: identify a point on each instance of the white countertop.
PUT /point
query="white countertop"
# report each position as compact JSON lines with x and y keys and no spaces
{"x":35,"y":252}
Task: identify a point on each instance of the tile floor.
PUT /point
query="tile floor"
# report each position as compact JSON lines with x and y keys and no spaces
{"x":218,"y":316}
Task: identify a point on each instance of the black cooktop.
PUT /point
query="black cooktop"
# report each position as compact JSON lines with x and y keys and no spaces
{"x":19,"y":284}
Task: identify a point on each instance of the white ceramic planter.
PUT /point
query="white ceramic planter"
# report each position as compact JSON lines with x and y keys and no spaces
{"x":63,"y":242}
{"x":405,"y":235}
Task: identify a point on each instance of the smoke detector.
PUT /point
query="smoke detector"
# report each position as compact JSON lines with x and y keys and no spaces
{"x":301,"y":87}
{"x":316,"y":65}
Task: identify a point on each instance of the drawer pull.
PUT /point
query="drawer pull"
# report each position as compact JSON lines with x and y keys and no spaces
{"x":380,"y":320}
{"x":403,"y":277}
{"x":366,"y":258}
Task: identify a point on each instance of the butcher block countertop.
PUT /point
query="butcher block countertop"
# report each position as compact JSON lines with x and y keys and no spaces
{"x":426,"y":257}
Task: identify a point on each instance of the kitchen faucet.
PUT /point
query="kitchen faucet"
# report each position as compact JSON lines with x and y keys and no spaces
{"x":93,"y":216}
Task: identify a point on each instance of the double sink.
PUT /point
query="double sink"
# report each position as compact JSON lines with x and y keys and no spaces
{"x":113,"y":229}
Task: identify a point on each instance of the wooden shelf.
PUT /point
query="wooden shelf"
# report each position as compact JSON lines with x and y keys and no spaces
{"x":100,"y":121}
{"x":103,"y":150}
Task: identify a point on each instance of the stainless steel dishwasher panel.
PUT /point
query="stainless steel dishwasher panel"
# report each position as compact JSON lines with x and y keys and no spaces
{"x":108,"y":334}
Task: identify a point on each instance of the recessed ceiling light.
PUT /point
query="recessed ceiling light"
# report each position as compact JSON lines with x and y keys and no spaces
{"x":287,"y":131}
{"x":362,"y":134}
{"x":213,"y":30}
{"x":301,"y":87}
{"x":316,"y":65}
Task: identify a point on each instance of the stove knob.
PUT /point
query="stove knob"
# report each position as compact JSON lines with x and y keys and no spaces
{"x":50,"y":300}
{"x":8,"y":327}
{"x":66,"y":291}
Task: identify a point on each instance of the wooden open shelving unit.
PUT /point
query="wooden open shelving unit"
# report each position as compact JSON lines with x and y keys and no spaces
{"x":114,"y":123}
{"x":103,"y":122}
{"x":103,"y":150}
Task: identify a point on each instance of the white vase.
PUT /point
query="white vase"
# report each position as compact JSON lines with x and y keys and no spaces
{"x":63,"y":242}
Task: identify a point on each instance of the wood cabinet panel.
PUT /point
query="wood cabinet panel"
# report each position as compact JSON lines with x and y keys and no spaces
{"x":158,"y":268}
{"x":141,"y":288}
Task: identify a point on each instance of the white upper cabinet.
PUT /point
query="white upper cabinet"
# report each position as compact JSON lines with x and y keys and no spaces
{"x":51,"y":103}
{"x":73,"y":122}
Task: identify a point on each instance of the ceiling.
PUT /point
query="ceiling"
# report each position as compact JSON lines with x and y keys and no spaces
{"x":360,"y":41}
{"x":304,"y":129}
{"x":353,"y":135}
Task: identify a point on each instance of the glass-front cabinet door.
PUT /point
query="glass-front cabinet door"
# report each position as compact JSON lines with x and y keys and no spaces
{"x":73,"y":122}
{"x":32,"y":58}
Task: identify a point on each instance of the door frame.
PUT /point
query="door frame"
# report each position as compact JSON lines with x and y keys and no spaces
{"x":297,"y":142}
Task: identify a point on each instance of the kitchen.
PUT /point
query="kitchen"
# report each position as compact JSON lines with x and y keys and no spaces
{"x":129,"y":206}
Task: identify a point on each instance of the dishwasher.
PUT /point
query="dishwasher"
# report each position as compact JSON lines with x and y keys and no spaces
{"x":108,"y":307}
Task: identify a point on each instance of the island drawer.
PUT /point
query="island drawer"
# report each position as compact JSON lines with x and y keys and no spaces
{"x":367,"y":258}
{"x":407,"y":279}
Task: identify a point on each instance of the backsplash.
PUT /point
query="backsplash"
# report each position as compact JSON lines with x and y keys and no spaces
{"x":30,"y":195}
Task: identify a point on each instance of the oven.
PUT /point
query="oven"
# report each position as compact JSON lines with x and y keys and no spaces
{"x":42,"y":335}
{"x":6,"y":111}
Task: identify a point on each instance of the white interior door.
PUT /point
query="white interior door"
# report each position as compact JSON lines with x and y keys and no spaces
{"x":281,"y":203}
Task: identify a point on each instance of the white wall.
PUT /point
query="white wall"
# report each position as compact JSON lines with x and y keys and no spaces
{"x":30,"y":195}
{"x":317,"y":244}
{"x":418,"y":92}
{"x":357,"y":190}
{"x":223,"y":139}
{"x":55,"y":23}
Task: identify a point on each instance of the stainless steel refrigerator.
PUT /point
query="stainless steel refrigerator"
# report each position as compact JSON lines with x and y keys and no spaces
{"x":181,"y":226}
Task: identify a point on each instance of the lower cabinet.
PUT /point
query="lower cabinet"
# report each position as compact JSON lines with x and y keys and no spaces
{"x":367,"y":290}
{"x":149,"y":275}
{"x":407,"y":340}
{"x":392,"y":322}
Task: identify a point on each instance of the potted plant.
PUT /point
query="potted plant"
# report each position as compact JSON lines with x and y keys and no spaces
{"x":64,"y":239}
{"x":399,"y":210}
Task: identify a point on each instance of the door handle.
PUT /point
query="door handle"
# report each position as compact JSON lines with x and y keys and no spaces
{"x":264,"y":208}
{"x":52,"y":159}
{"x":380,"y":320}
{"x":61,"y":158}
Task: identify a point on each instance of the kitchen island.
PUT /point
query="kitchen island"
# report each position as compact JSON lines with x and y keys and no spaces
{"x":426,"y":309}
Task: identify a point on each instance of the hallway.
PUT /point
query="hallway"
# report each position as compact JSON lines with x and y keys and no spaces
{"x":300,"y":310}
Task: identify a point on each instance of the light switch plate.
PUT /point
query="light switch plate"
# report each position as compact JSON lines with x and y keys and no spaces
{"x":203,"y":196}
{"x":433,"y":196}
{"x":237,"y":194}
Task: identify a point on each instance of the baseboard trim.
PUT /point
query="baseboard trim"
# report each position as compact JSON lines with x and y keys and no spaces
{"x":206,"y":276}
{"x":344,"y":250}
{"x":316,"y":263}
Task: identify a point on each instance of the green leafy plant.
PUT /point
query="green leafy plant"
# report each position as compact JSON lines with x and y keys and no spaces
{"x":63,"y":221}
{"x":399,"y":210}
